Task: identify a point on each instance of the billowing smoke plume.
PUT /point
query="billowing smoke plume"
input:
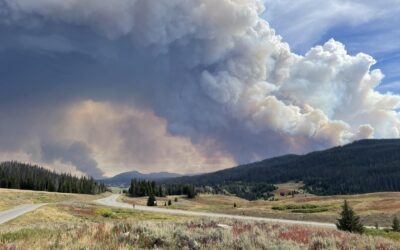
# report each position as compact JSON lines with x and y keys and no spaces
{"x":212,"y":69}
{"x":75,"y":153}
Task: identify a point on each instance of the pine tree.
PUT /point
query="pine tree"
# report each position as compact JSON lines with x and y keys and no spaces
{"x":349,"y":221}
{"x":26,"y":176}
{"x":151,"y":201}
{"x":396,"y":224}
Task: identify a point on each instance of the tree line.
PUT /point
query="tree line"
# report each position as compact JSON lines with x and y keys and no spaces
{"x":141,"y":188}
{"x":18,"y":175}
{"x":245,"y":190}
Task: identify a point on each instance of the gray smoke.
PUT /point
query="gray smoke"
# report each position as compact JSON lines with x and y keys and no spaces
{"x":75,"y":153}
{"x":214,"y":70}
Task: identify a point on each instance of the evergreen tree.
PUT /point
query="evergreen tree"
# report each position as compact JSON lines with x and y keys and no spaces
{"x":25,"y":176}
{"x":349,"y":221}
{"x":190,"y":191}
{"x":396,"y":224}
{"x":151,"y":201}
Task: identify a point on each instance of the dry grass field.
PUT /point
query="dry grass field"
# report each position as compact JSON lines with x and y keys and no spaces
{"x":139,"y":233}
{"x":81,"y":224}
{"x":373,"y":208}
{"x":10,"y":198}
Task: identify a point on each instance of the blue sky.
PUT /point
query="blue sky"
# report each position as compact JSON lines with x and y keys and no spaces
{"x":371,"y":27}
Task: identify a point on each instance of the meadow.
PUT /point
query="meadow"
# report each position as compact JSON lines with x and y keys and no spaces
{"x":373,"y":208}
{"x":79,"y":223}
{"x":10,"y":198}
{"x":92,"y":228}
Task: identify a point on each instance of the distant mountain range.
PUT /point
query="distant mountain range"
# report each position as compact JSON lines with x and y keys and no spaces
{"x":360,"y":167}
{"x":126,"y":177}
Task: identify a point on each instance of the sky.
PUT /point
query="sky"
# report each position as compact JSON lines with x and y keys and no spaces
{"x":100,"y":87}
{"x":363,"y":26}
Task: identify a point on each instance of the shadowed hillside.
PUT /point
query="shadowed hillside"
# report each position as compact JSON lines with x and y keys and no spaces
{"x":360,"y":167}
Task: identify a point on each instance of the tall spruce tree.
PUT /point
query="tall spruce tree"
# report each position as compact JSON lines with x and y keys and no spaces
{"x":349,"y":221}
{"x":151,"y":201}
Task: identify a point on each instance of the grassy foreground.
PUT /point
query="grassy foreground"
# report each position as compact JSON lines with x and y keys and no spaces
{"x":193,"y":234}
{"x":81,"y":224}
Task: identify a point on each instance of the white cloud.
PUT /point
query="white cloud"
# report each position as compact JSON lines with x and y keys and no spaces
{"x":302,"y":23}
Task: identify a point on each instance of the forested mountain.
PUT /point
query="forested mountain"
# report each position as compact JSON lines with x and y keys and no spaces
{"x":360,"y":167}
{"x":125,"y":178}
{"x":25,"y":176}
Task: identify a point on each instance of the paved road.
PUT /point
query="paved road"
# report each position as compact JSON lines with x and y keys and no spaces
{"x":17,"y":211}
{"x":112,"y":201}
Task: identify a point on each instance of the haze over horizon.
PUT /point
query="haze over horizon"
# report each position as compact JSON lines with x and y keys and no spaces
{"x":100,"y":87}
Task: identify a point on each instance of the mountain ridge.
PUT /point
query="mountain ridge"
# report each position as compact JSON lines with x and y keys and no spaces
{"x":370,"y":165}
{"x":125,"y":177}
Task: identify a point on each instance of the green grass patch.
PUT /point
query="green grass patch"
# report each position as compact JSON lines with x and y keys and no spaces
{"x":386,"y":233}
{"x":120,"y":213}
{"x":24,"y":234}
{"x":302,"y":208}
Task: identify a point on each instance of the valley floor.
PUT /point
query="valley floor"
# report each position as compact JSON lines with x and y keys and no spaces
{"x":81,"y":223}
{"x":373,"y":208}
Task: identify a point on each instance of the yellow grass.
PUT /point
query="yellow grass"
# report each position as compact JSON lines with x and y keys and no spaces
{"x":375,"y":207}
{"x":10,"y":198}
{"x":200,"y":234}
{"x":79,"y":212}
{"x":81,"y":224}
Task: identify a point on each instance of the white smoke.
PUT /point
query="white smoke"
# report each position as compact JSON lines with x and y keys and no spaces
{"x":219,"y":71}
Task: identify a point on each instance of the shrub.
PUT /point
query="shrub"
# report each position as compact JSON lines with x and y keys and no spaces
{"x":396,"y":224}
{"x":105,"y":212}
{"x":169,"y":202}
{"x":176,"y":199}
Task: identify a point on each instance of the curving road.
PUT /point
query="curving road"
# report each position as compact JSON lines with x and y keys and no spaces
{"x":17,"y":211}
{"x":112,"y":201}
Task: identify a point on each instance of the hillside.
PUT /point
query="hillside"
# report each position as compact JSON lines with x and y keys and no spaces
{"x":125,"y":178}
{"x":360,"y":167}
